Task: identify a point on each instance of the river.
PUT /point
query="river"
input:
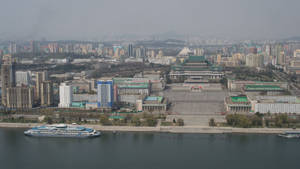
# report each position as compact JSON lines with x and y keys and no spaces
{"x":148,"y":151}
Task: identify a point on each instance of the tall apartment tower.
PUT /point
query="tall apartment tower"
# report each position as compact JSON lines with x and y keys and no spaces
{"x":40,"y":77}
{"x":65,"y":95}
{"x":34,"y":46}
{"x":254,"y":60}
{"x":12,"y":48}
{"x":46,"y":93}
{"x":130,"y":50}
{"x":105,"y":95}
{"x":280,"y":60}
{"x":19,"y":97}
{"x":8,"y":76}
{"x":23,"y":78}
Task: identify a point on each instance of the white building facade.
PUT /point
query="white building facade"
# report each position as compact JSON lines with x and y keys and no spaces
{"x":65,"y":96}
{"x":23,"y":78}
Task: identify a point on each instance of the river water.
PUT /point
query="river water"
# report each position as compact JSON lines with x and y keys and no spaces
{"x":148,"y":151}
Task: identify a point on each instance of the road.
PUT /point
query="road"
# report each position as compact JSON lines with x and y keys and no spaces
{"x":294,"y":88}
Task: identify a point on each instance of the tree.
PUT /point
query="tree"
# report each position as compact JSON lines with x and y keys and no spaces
{"x":48,"y":120}
{"x":267,"y":122}
{"x":231,"y":119}
{"x":136,"y":121}
{"x":212,"y":122}
{"x":180,"y":122}
{"x":281,"y":120}
{"x":104,"y":120}
{"x":244,"y":122}
{"x":151,"y":121}
{"x":238,"y":120}
{"x":256,"y":120}
{"x":223,"y":81}
{"x":62,"y":120}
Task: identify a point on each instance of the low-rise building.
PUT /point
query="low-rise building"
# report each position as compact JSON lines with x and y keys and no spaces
{"x":157,"y":82}
{"x":84,"y":97}
{"x":81,"y":86}
{"x":263,"y":89}
{"x":238,"y":85}
{"x":275,"y":104}
{"x":91,"y":105}
{"x":80,"y":105}
{"x":237,"y":104}
{"x":128,"y":90}
{"x":152,"y":104}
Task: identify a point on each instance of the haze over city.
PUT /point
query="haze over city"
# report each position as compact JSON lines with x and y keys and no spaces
{"x":93,"y":19}
{"x":149,"y":84}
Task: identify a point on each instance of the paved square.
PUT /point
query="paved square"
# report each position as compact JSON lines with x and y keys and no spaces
{"x":196,"y":103}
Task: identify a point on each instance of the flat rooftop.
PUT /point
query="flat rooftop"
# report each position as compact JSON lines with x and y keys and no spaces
{"x":133,"y":86}
{"x":154,"y":98}
{"x":239,"y":99}
{"x":263,"y":87}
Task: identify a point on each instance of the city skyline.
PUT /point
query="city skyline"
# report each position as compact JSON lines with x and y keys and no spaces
{"x":82,"y":20}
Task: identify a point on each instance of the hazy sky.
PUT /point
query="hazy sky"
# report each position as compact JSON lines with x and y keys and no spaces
{"x":88,"y":19}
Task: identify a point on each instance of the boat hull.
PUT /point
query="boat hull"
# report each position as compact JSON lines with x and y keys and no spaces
{"x":289,"y":136}
{"x":97,"y":134}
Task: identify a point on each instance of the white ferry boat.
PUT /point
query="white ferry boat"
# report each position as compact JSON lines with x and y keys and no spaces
{"x":62,"y":130}
{"x":290,"y":134}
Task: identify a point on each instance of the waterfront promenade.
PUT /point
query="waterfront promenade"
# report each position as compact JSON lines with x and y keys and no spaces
{"x":168,"y":129}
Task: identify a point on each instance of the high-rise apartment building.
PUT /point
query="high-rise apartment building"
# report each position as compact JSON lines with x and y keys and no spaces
{"x":19,"y":97}
{"x":12,"y":48}
{"x":277,"y":52}
{"x":297,"y":53}
{"x":46,"y":93}
{"x":65,"y":95}
{"x":117,"y":53}
{"x":255,"y":60}
{"x":22,"y":78}
{"x":130,"y":50}
{"x":40,"y":77}
{"x":268,"y":50}
{"x":252,"y":50}
{"x":199,"y":52}
{"x":140,"y":52}
{"x":34,"y":46}
{"x":105,"y":94}
{"x":280,"y":59}
{"x":8,"y":77}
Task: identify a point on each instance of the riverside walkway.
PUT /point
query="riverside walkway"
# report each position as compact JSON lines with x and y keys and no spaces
{"x":168,"y":129}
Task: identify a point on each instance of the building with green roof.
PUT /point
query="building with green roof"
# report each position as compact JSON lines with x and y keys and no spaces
{"x":197,"y":68}
{"x":263,"y":88}
{"x":152,"y":104}
{"x":237,"y":104}
{"x":239,"y":99}
{"x":128,"y":90}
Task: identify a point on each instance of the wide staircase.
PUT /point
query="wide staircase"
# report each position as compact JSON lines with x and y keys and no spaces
{"x":197,"y":120}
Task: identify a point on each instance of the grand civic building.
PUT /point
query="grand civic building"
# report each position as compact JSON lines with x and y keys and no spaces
{"x":196,"y":69}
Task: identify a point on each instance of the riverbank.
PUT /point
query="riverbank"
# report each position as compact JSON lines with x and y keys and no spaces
{"x":168,"y":129}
